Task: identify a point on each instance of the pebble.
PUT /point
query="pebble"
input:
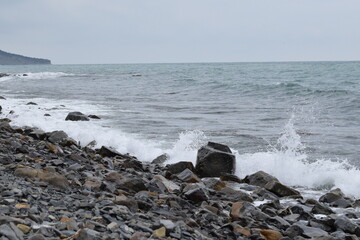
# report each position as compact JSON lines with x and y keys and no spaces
{"x":52,"y":188}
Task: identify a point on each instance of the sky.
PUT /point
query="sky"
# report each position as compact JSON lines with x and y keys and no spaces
{"x":165,"y":31}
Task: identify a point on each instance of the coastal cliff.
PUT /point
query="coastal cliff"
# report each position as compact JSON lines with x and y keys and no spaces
{"x":14,"y":59}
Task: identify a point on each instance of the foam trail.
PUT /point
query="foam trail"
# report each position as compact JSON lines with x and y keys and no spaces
{"x":35,"y":76}
{"x":287,"y":161}
{"x":290,"y":165}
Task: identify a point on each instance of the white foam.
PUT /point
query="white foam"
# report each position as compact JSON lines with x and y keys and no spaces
{"x":35,"y":76}
{"x":290,"y":165}
{"x":287,"y":160}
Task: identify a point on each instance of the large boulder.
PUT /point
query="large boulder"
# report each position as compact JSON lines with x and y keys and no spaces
{"x":76,"y":116}
{"x":214,"y":160}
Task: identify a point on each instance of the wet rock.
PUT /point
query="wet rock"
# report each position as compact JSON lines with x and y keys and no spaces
{"x":341,"y":203}
{"x":230,"y":194}
{"x":108,"y":152}
{"x":321,"y":209}
{"x":310,"y":232}
{"x":132,"y":184}
{"x":197,"y":195}
{"x":345,"y":225}
{"x":214,"y":160}
{"x":280,"y":189}
{"x":57,"y":136}
{"x":230,"y":177}
{"x":259,"y":178}
{"x":161,"y":159}
{"x":180,"y":166}
{"x":76,"y":116}
{"x":188,"y":176}
{"x":330,"y":197}
{"x":93,"y":117}
{"x":31,"y":103}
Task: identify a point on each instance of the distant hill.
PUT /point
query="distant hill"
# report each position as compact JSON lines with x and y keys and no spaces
{"x":14,"y":59}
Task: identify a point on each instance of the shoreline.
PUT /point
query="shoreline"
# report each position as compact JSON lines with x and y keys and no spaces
{"x":52,"y":188}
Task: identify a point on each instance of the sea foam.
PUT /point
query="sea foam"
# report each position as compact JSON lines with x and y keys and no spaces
{"x":287,"y":160}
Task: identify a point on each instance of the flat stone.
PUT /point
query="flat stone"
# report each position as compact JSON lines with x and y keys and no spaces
{"x":180,"y":166}
{"x":159,"y":233}
{"x":128,"y":202}
{"x":37,"y":237}
{"x":188,"y":176}
{"x":196,"y":195}
{"x":7,"y":231}
{"x":269,"y":234}
{"x":88,"y":234}
{"x":280,"y":189}
{"x":170,"y":185}
{"x":321,"y":209}
{"x":24,"y":228}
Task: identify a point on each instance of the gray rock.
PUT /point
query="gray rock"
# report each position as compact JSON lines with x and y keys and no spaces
{"x":88,"y":234}
{"x":321,"y":209}
{"x":259,"y":178}
{"x":214,"y":160}
{"x":180,"y":166}
{"x":161,"y":159}
{"x":76,"y":116}
{"x":345,"y":225}
{"x":329,"y":197}
{"x":37,"y":237}
{"x":94,"y":117}
{"x":311,"y":232}
{"x":57,"y":136}
{"x":188,"y":176}
{"x":108,"y":152}
{"x":280,"y":189}
{"x":197,"y":195}
{"x":31,"y":103}
{"x":7,"y":231}
{"x":341,"y":203}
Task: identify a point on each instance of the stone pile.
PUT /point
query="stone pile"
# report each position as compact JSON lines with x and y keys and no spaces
{"x":52,"y":188}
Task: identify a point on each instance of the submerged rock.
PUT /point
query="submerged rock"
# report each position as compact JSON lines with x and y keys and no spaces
{"x":76,"y":116}
{"x":214,"y":160}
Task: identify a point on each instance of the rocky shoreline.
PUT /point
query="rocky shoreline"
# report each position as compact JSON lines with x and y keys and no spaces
{"x":52,"y":188}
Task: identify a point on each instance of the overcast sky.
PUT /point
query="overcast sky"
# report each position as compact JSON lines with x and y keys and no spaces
{"x":137,"y":31}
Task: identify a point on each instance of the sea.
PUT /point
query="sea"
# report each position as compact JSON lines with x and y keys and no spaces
{"x":299,"y":121}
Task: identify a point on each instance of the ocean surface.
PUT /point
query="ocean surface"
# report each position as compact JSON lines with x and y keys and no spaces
{"x":299,"y":121}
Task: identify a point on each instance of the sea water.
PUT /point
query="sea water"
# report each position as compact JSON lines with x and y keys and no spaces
{"x":299,"y":121}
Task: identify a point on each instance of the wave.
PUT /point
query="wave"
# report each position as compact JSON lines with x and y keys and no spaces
{"x":287,"y":160}
{"x":35,"y":76}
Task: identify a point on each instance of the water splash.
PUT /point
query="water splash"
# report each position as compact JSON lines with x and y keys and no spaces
{"x":289,"y":163}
